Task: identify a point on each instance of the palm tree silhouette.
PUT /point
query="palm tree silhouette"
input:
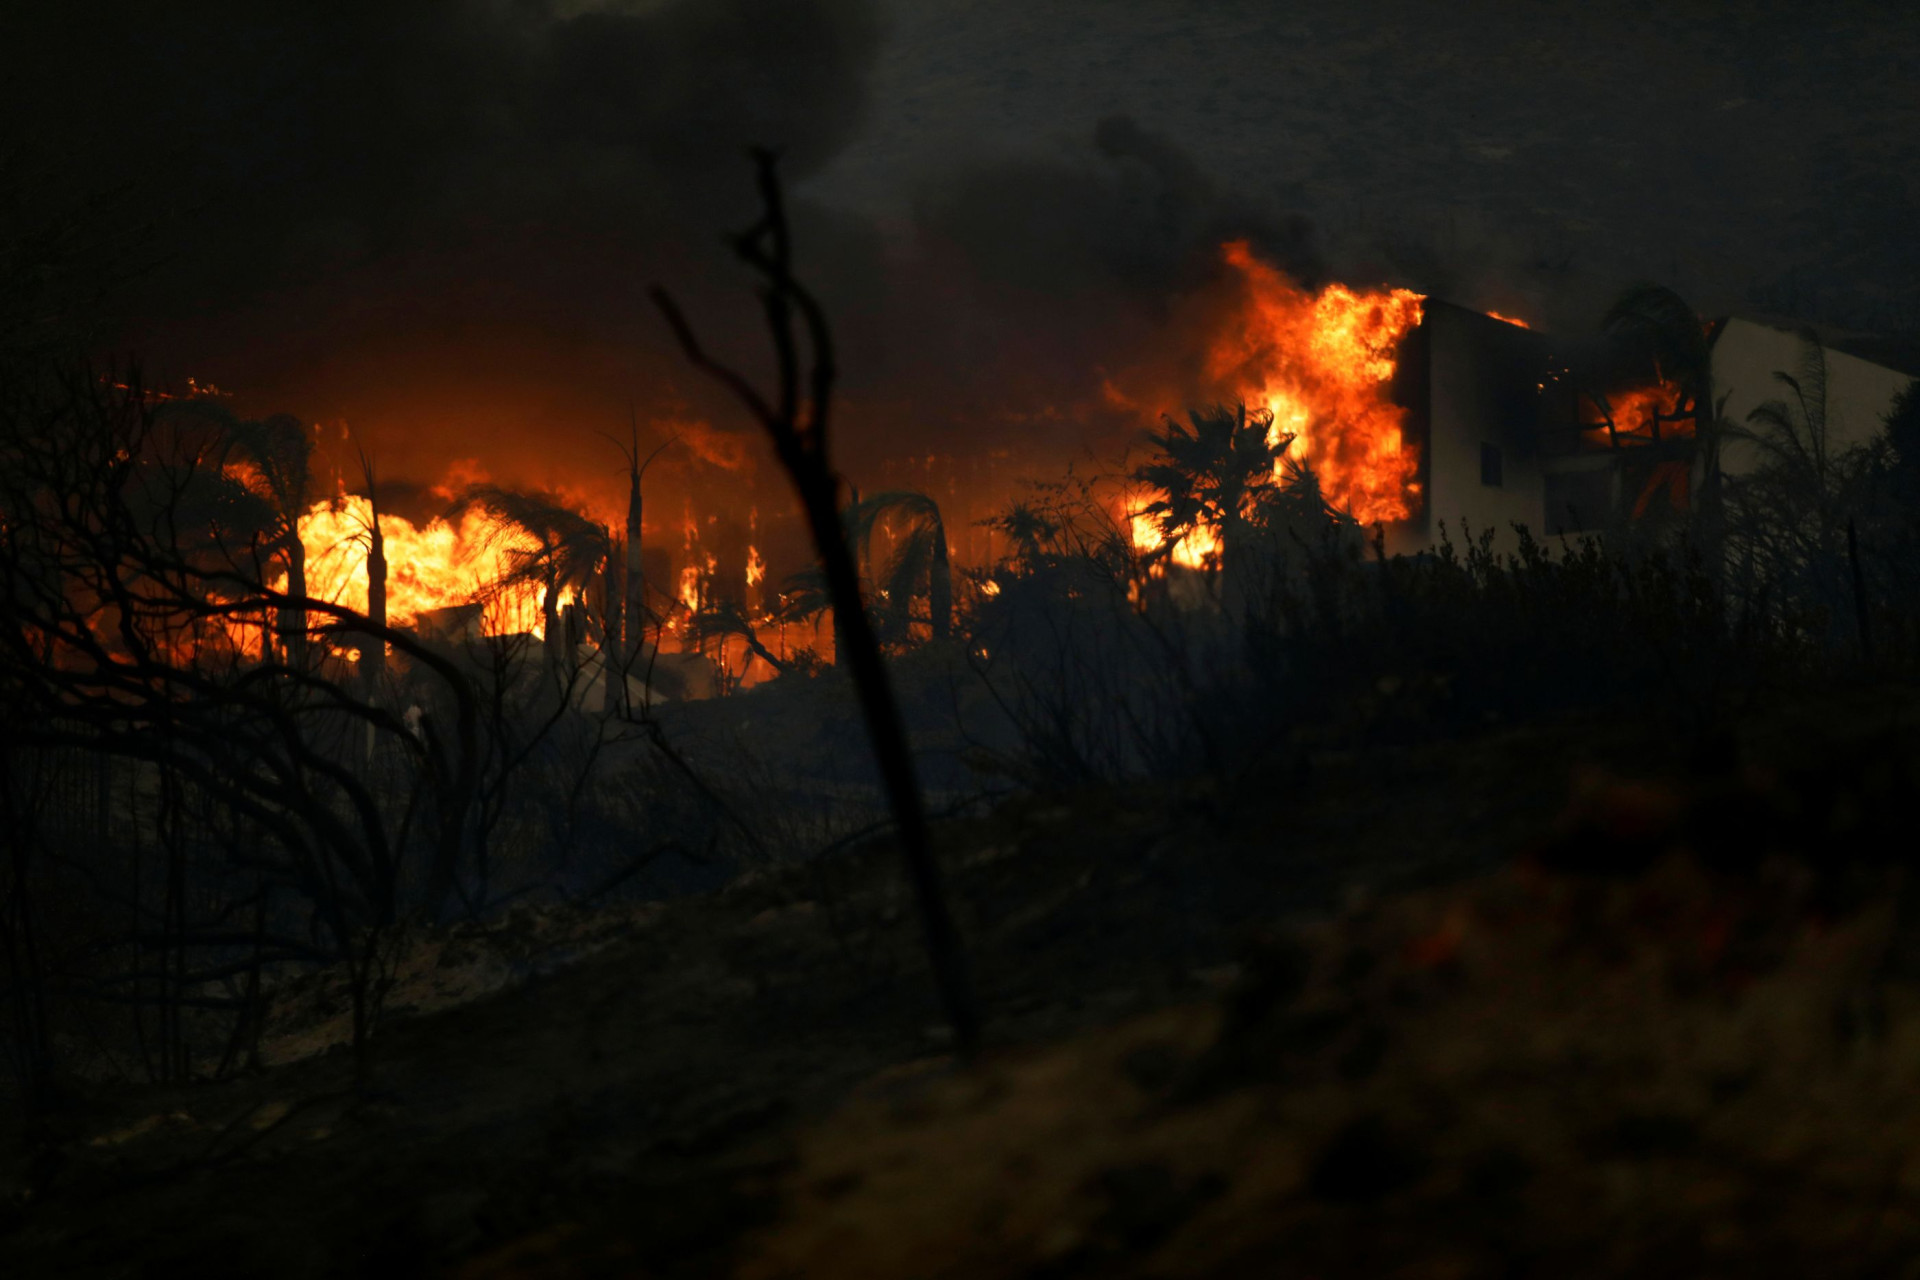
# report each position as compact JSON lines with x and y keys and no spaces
{"x":1214,"y":471}
{"x":373,"y":653}
{"x":1029,"y":529}
{"x":723,"y":618}
{"x":1649,"y":326}
{"x":1787,"y":517}
{"x":1298,"y":506}
{"x":630,"y":627}
{"x":276,"y":457}
{"x":803,"y":595}
{"x":547,"y":543}
{"x":919,"y":557}
{"x":1650,"y":329}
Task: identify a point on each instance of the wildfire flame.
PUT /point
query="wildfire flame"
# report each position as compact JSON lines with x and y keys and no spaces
{"x":1635,"y":412}
{"x":698,"y":567}
{"x":1321,"y":363}
{"x":433,"y":566}
{"x":1198,"y":547}
{"x":473,"y":559}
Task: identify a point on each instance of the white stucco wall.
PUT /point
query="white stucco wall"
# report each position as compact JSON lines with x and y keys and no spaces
{"x":1471,"y":392}
{"x":1746,"y":356}
{"x":1468,"y":390}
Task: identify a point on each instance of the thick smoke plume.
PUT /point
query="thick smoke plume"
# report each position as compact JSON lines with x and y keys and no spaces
{"x":272,"y":146}
{"x":434,"y":223}
{"x":433,"y":220}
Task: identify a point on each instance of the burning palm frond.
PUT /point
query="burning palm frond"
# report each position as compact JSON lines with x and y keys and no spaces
{"x":544,"y":538}
{"x":1651,"y":327}
{"x":544,"y":541}
{"x":723,"y":619}
{"x":1299,"y":505}
{"x":804,"y":595}
{"x":1212,"y":471}
{"x":921,"y":557}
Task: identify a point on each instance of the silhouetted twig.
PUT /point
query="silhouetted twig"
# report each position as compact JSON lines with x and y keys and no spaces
{"x":797,"y":420}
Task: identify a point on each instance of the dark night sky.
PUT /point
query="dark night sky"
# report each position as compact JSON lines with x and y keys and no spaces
{"x":435,"y":221}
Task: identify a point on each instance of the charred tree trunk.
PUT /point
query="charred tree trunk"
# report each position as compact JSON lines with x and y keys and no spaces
{"x":373,"y":654}
{"x":636,"y":610}
{"x":840,"y":659}
{"x":858,"y":651}
{"x":940,"y":584}
{"x":292,"y":622}
{"x":757,"y":648}
{"x":624,"y":654}
{"x":612,"y":646}
{"x":554,"y":636}
{"x":796,"y":420}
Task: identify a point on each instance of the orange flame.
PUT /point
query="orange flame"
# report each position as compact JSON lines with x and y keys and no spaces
{"x":1643,"y":413}
{"x":1321,"y":363}
{"x":1513,"y":320}
{"x":432,"y":566}
{"x":690,"y":568}
{"x":195,"y":390}
{"x":1198,"y":547}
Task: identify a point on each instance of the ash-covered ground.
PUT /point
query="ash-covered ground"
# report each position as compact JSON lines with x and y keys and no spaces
{"x":1568,"y":1001}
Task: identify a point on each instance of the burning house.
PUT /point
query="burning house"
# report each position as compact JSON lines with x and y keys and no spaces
{"x":1415,"y":415}
{"x":1510,"y":429}
{"x":1421,"y":417}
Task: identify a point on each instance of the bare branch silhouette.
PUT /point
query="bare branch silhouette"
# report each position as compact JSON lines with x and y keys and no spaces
{"x":796,"y":419}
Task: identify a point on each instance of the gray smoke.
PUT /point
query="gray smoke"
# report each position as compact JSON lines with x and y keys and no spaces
{"x":270,"y":146}
{"x":436,"y":221}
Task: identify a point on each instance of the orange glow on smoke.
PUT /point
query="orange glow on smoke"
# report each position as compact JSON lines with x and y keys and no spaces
{"x":1321,"y":362}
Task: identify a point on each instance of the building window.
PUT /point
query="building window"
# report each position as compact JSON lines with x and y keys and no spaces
{"x":1491,"y":470}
